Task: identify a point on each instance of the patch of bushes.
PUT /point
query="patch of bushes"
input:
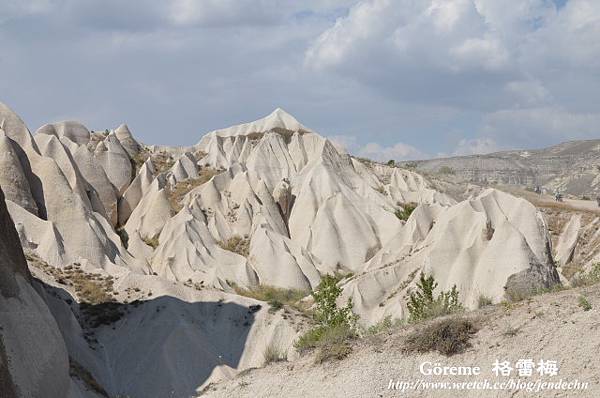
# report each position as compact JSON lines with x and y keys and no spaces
{"x":276,"y":297}
{"x":423,"y":305}
{"x":274,"y":354}
{"x":584,"y":303}
{"x":336,"y":327}
{"x":236,"y":244}
{"x":484,"y":301}
{"x":152,"y":242}
{"x":406,"y":211}
{"x":448,"y":337}
{"x":384,"y":325}
{"x":182,"y":188}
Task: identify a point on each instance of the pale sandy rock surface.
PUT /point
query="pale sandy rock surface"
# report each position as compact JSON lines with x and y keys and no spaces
{"x":536,"y":329}
{"x":159,"y":241}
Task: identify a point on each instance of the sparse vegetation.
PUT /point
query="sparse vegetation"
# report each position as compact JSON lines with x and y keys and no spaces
{"x":519,"y":293}
{"x":178,"y":192}
{"x":511,"y":331}
{"x":276,"y":297}
{"x":423,"y":305}
{"x":385,"y":325}
{"x":336,"y":327}
{"x":391,"y":163}
{"x":237,"y":244}
{"x":406,"y":210}
{"x":151,"y":241}
{"x":449,"y":336}
{"x":274,"y":354}
{"x":587,"y":278}
{"x":584,"y":303}
{"x":484,"y":301}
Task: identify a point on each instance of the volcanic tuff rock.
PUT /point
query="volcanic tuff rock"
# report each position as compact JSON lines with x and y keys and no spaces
{"x":156,"y":241}
{"x":571,"y":167}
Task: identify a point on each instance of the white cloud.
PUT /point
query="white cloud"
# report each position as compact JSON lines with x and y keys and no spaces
{"x":537,"y":124}
{"x":476,"y":146}
{"x":398,"y":151}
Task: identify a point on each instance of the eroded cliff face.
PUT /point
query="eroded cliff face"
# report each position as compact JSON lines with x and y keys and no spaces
{"x":33,"y":357}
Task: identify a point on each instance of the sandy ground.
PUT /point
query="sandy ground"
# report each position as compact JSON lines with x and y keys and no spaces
{"x":550,"y":327}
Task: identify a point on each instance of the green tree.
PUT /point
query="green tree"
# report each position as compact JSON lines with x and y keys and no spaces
{"x":423,"y":305}
{"x":327,"y":312}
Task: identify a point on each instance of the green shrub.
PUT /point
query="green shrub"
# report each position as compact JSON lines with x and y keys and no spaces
{"x":484,"y":301}
{"x":274,"y":354}
{"x":423,"y":305}
{"x":275,"y":296}
{"x":335,"y":326}
{"x":327,"y":312}
{"x":406,"y":211}
{"x":152,"y":242}
{"x":584,"y":303}
{"x":448,"y":337}
{"x":383,"y":326}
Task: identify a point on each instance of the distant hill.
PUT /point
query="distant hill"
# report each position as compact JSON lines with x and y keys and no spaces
{"x":573,"y":167}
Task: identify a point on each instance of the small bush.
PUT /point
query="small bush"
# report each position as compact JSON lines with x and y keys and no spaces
{"x":511,"y":331}
{"x":384,"y":325}
{"x":406,"y":211}
{"x":586,"y":279}
{"x":484,"y":301}
{"x":336,"y":326}
{"x":584,"y":303}
{"x":335,"y":343}
{"x":182,"y":188}
{"x":274,"y":354}
{"x":275,"y":296}
{"x":422,"y":304}
{"x":237,"y":244}
{"x":448,"y":337}
{"x":152,"y":242}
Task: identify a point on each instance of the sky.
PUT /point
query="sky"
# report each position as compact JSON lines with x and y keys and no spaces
{"x":385,"y":79}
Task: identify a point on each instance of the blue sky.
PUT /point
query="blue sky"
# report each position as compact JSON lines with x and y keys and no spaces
{"x":385,"y":78}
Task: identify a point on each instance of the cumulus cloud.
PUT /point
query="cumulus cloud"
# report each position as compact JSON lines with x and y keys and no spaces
{"x":397,"y":151}
{"x":476,"y":146}
{"x":517,"y":72}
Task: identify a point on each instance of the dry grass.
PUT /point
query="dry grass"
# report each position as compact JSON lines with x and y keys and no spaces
{"x":329,"y":342}
{"x":237,"y":244}
{"x":93,"y":291}
{"x":276,"y":297}
{"x":162,"y":161}
{"x":449,"y":336}
{"x":274,"y":354}
{"x":152,"y":242}
{"x":182,"y":188}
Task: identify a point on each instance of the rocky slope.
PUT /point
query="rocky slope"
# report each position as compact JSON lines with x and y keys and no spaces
{"x":549,"y":327}
{"x":572,"y":167}
{"x":140,"y":252}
